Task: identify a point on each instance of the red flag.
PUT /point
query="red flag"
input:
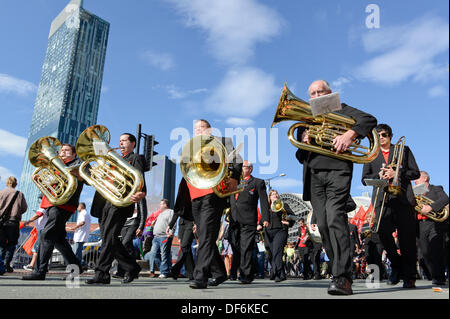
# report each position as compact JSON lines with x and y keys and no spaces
{"x":356,"y":218}
{"x":28,"y":246}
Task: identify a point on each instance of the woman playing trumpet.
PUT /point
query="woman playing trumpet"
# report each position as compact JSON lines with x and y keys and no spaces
{"x":277,"y":234}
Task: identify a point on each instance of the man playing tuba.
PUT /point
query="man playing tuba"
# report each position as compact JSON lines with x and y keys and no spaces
{"x":326,"y":183}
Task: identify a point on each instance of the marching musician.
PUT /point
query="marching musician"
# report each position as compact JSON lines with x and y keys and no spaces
{"x":244,"y":220}
{"x":112,"y":220}
{"x":276,"y":235}
{"x":326,"y":183}
{"x":303,"y":247}
{"x":53,"y":234}
{"x":398,"y":209}
{"x":207,"y":209}
{"x":431,"y":233}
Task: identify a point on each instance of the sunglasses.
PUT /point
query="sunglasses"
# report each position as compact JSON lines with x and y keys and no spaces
{"x":384,"y":135}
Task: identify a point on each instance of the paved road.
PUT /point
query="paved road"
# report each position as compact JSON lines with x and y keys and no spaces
{"x":55,"y":287}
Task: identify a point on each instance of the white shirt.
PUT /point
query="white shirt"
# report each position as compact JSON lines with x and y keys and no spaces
{"x":81,"y":234}
{"x":41,"y":221}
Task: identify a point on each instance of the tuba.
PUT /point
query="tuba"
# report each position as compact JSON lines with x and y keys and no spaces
{"x":52,"y":176}
{"x":105,"y":170}
{"x":323,"y":129}
{"x":439,"y":216}
{"x":205,"y":164}
{"x":277,"y":206}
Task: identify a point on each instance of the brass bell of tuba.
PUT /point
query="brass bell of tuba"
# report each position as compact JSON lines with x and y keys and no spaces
{"x":204,"y":165}
{"x":52,"y":176}
{"x":105,"y":170}
{"x":323,"y":129}
{"x":439,"y":216}
{"x":277,"y":206}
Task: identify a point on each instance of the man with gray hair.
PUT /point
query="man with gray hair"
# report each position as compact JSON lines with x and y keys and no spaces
{"x":12,"y":206}
{"x":327,"y":182}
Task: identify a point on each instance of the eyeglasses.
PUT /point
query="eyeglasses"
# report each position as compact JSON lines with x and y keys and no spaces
{"x":384,"y":135}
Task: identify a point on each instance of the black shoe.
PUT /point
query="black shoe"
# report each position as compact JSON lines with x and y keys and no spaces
{"x":394,"y":277}
{"x":99,"y":281}
{"x":340,"y":286}
{"x":217,"y":281}
{"x":173,"y":275}
{"x":438,"y":282}
{"x":198,"y":285}
{"x":245,"y":280}
{"x":34,"y":276}
{"x":409,"y":284}
{"x":317,"y":277}
{"x":232,"y":277}
{"x":8,"y":268}
{"x":118,"y":275}
{"x":130,"y":276}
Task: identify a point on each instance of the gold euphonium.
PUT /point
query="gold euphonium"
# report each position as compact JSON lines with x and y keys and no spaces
{"x":277,"y":206}
{"x":439,"y":216}
{"x":52,"y":176}
{"x":204,"y":165}
{"x":323,"y":129}
{"x":112,"y":176}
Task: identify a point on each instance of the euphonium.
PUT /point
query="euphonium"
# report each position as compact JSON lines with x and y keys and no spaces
{"x":439,"y":216}
{"x":113,"y":177}
{"x":52,"y":176}
{"x":323,"y":129}
{"x":204,"y":164}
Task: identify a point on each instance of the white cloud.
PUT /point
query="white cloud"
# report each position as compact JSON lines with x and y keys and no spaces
{"x":412,"y":51}
{"x":10,"y":84}
{"x":233,"y":27}
{"x":160,"y":60}
{"x":338,"y":84}
{"x":4,"y":174}
{"x":244,"y":92}
{"x":12,"y":144}
{"x":178,"y":93}
{"x":437,"y":91}
{"x":239,"y":121}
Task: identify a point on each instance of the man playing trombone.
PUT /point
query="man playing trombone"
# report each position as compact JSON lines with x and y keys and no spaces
{"x":395,"y":164}
{"x":326,"y":183}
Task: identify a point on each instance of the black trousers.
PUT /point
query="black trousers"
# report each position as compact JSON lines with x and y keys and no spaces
{"x":401,"y":216}
{"x":111,"y":224}
{"x":207,"y":212}
{"x":317,"y":250}
{"x":243,"y":243}
{"x":128,"y":233}
{"x":277,"y":239}
{"x":53,"y":235}
{"x":374,"y":252}
{"x":185,"y":257}
{"x":330,"y":190}
{"x":431,"y":244}
{"x":305,"y":255}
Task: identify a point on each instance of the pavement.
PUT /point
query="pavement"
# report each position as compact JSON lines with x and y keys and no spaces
{"x":57,"y":287}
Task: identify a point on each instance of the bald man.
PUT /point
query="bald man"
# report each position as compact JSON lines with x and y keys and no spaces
{"x":326,"y":183}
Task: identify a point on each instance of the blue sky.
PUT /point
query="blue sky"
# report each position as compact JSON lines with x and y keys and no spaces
{"x":169,"y":62}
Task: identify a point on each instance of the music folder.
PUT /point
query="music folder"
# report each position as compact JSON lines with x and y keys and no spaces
{"x":420,"y":189}
{"x":325,"y":104}
{"x":376,"y":182}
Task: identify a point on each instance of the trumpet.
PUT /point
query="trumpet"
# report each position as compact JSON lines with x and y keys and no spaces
{"x":278,"y":206}
{"x":205,"y":164}
{"x":105,"y":170}
{"x":438,"y":216}
{"x":52,"y":176}
{"x":323,"y":129}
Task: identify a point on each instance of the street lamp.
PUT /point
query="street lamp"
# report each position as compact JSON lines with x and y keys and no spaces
{"x":269,"y":179}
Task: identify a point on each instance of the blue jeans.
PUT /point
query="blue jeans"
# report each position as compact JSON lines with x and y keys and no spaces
{"x":78,"y":251}
{"x":161,"y":245}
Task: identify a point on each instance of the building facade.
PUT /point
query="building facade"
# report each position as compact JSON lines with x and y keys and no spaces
{"x":68,"y":95}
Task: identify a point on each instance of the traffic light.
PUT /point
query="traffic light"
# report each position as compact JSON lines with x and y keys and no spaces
{"x":149,"y":144}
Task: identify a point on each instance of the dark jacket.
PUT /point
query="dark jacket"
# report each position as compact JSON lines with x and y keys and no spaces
{"x":276,"y":218}
{"x":409,"y":171}
{"x":438,"y":196}
{"x":364,"y":125}
{"x":244,"y":210}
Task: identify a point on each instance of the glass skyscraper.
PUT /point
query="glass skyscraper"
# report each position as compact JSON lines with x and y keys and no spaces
{"x":69,"y":90}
